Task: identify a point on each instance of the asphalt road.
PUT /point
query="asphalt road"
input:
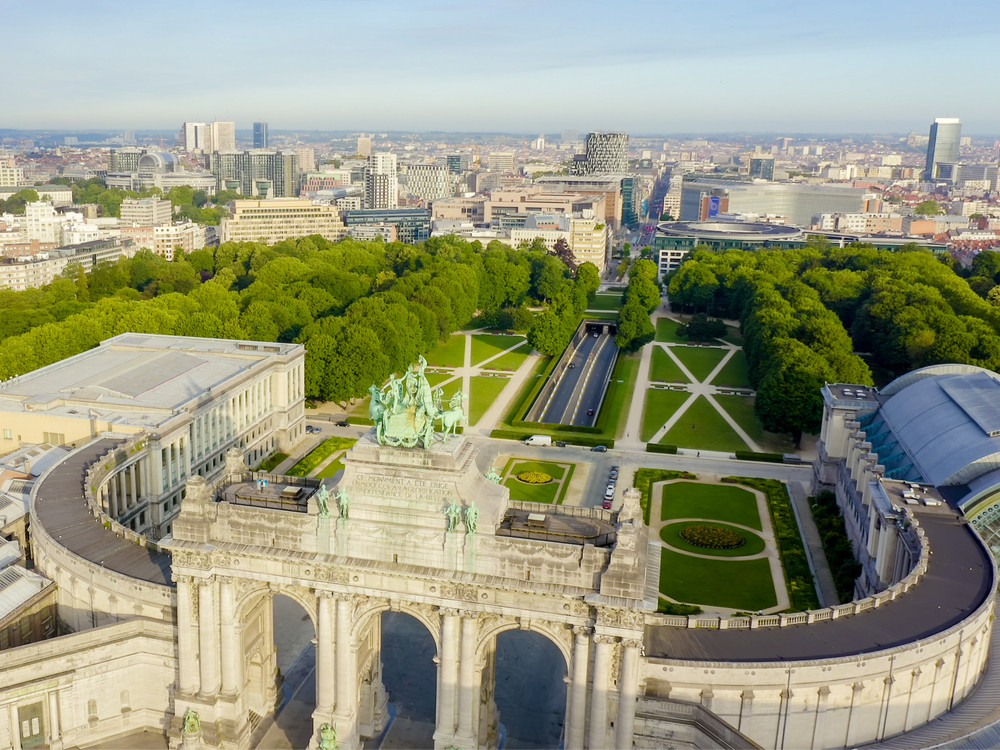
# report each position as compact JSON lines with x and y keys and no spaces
{"x":581,"y":384}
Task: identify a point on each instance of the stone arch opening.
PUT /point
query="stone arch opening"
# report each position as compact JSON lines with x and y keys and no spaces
{"x":529,"y":689}
{"x":409,"y":673}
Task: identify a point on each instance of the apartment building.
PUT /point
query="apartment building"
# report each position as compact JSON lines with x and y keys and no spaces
{"x":279,"y":219}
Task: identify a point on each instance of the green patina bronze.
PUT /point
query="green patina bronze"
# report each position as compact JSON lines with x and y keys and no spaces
{"x":406,"y":408}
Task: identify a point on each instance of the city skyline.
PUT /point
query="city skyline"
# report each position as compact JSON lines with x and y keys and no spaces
{"x":655,"y":67}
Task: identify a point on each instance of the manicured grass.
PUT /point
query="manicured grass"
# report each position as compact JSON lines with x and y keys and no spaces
{"x":271,"y":462}
{"x":552,"y":493}
{"x":699,"y":361}
{"x":606,"y":302}
{"x":484,"y":393}
{"x":666,"y":330}
{"x":736,"y":584}
{"x":510,"y":361}
{"x":734,"y":372}
{"x":715,"y":502}
{"x":485,"y":345}
{"x":331,"y":468}
{"x":436,"y":378}
{"x":450,"y":353}
{"x":703,"y":428}
{"x":659,"y":407}
{"x":318,"y":454}
{"x":663,"y":369}
{"x":740,"y":408}
{"x":671,"y":535}
{"x":618,"y":399}
{"x":601,"y":315}
{"x":519,"y":465}
{"x":644,"y":480}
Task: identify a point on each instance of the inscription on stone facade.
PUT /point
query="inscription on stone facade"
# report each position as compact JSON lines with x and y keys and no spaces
{"x":400,"y":488}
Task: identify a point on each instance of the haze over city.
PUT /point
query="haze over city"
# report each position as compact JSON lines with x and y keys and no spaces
{"x":502,"y":66}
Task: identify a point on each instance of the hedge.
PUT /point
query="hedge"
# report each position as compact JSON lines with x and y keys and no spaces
{"x":672,"y":608}
{"x":658,"y":448}
{"x":801,"y":586}
{"x":775,"y":458}
{"x":836,"y":546}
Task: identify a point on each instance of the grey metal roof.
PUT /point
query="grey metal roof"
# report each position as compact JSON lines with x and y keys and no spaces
{"x":948,"y":425}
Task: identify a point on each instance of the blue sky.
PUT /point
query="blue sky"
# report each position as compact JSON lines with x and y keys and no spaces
{"x":521,"y":66}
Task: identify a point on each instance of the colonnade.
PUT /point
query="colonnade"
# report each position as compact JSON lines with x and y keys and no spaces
{"x":124,"y":490}
{"x":215,"y":675}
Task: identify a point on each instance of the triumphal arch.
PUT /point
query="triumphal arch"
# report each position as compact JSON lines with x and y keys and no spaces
{"x":411,"y":526}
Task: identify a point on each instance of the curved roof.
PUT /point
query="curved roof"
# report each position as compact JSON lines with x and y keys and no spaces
{"x":947,"y":419}
{"x":729,"y":230}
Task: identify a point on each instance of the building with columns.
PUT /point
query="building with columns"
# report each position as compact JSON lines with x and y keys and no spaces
{"x":185,"y":623}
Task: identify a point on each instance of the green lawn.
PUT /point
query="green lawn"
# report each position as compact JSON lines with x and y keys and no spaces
{"x":606,"y":302}
{"x":734,"y":372}
{"x":486,"y":345}
{"x":663,"y":369}
{"x":317,"y":455}
{"x":740,"y":408}
{"x":703,"y":428}
{"x":484,"y":393}
{"x":659,"y":407}
{"x":552,"y":493}
{"x":671,"y":535}
{"x":618,"y":399}
{"x":699,"y":361}
{"x":736,"y":584}
{"x":271,"y":462}
{"x":436,"y":378}
{"x":451,"y":353}
{"x":666,"y":330}
{"x":715,"y":502}
{"x":331,"y":468}
{"x":512,"y":360}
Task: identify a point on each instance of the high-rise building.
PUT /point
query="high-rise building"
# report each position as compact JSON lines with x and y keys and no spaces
{"x":125,"y":159}
{"x":457,"y":163}
{"x":271,"y":174}
{"x":762,"y":167}
{"x":942,"y":145}
{"x":193,"y":136}
{"x":221,"y":136}
{"x":364,"y":145}
{"x":607,"y":153}
{"x":502,"y":161}
{"x":428,"y":181}
{"x":381,"y":182}
{"x":11,"y":175}
{"x":146,"y":212}
{"x":260,"y":135}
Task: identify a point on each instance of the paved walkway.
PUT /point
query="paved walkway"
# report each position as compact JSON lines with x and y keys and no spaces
{"x":766,"y":532}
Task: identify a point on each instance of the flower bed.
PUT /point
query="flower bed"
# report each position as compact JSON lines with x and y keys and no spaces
{"x":534,"y":477}
{"x":712,"y":537}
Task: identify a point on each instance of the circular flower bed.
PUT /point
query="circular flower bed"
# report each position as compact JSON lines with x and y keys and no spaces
{"x":534,"y":477}
{"x":712,"y":537}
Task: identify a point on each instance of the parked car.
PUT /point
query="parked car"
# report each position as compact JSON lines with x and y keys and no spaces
{"x":309,"y":429}
{"x":609,"y":493}
{"x":343,"y":423}
{"x":560,"y":443}
{"x":606,"y":504}
{"x":600,"y":449}
{"x":614,"y":472}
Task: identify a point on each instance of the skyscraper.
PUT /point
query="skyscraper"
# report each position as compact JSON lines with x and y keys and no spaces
{"x":942,"y":147}
{"x":607,"y":153}
{"x":221,"y":136}
{"x":193,"y":136}
{"x":260,"y":135}
{"x":381,"y":181}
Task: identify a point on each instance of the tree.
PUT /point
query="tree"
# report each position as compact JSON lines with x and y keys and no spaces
{"x":635,"y":329}
{"x":546,"y":334}
{"x":929,"y":207}
{"x":562,"y":252}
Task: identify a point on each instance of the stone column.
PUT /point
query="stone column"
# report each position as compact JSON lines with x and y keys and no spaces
{"x":468,"y":691}
{"x":325,"y":686}
{"x":577,"y":720}
{"x":15,"y":727}
{"x":447,"y":677}
{"x":55,"y":732}
{"x":208,"y":629}
{"x":187,"y":644}
{"x":346,"y":679}
{"x":113,"y":482}
{"x":599,"y":701}
{"x":229,"y":641}
{"x":131,"y":483}
{"x":628,"y":689}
